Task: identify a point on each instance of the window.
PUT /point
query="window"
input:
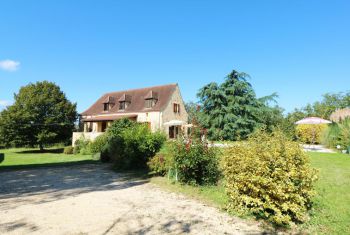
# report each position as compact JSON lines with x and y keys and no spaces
{"x":122,"y":105}
{"x":105,"y":106}
{"x":176,"y":108}
{"x":150,"y":103}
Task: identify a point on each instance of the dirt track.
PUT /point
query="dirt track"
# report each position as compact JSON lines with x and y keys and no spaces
{"x":91,"y":199}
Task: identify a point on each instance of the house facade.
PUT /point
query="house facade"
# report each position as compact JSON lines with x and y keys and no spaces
{"x":161,"y":107}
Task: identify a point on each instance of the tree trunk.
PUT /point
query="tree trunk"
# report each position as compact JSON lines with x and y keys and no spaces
{"x":41,"y":147}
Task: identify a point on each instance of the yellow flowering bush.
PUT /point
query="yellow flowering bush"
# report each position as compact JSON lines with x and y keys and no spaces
{"x":308,"y":133}
{"x":269,"y":176}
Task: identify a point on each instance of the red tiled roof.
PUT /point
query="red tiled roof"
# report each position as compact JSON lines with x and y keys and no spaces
{"x":136,"y":98}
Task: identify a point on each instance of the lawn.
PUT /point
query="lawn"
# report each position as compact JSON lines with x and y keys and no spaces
{"x":23,"y":157}
{"x":331,"y":211}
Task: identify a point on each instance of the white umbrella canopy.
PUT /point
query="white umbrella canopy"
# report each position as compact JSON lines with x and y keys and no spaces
{"x":312,"y":120}
{"x":174,"y":123}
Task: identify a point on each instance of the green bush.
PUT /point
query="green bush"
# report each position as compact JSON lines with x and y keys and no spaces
{"x":76,"y":150}
{"x":99,"y":143}
{"x":270,"y":177}
{"x":332,"y":136}
{"x":117,"y":127}
{"x":195,"y":163}
{"x":132,"y":147}
{"x":157,"y":164}
{"x":104,"y":157}
{"x":82,"y":146}
{"x":163,"y":160}
{"x":338,"y":134}
{"x":68,"y":150}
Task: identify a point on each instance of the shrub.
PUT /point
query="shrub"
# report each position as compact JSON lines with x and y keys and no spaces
{"x":270,"y":177}
{"x":157,"y":164}
{"x":82,"y":146}
{"x":134,"y":146}
{"x":104,"y":157}
{"x":332,"y":136}
{"x":98,"y":144}
{"x":68,"y":150}
{"x":195,"y":163}
{"x":117,"y":127}
{"x":308,"y":133}
{"x":337,"y":134}
{"x":76,"y":150}
{"x":162,"y":162}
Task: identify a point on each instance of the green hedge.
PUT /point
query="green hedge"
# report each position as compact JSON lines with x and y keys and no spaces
{"x":130,"y":145}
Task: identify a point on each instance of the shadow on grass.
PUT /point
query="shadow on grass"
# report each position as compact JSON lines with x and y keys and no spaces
{"x":55,"y":150}
{"x":55,"y":164}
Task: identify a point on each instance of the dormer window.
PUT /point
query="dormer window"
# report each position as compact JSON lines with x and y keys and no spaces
{"x":105,"y":107}
{"x":108,"y":103}
{"x":151,"y":99}
{"x":124,"y":101}
{"x":122,"y":105}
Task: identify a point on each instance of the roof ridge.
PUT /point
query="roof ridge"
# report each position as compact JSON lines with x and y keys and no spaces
{"x":143,"y":88}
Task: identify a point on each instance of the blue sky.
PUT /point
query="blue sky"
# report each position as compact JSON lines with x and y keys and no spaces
{"x":299,"y":49}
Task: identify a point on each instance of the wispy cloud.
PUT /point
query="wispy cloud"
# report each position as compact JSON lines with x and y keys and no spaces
{"x":9,"y":65}
{"x":4,"y":103}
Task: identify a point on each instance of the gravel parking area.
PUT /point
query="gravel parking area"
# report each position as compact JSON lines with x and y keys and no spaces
{"x":92,"y":199}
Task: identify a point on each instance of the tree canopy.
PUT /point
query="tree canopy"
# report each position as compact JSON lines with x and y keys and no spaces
{"x":41,"y":114}
{"x":231,"y":110}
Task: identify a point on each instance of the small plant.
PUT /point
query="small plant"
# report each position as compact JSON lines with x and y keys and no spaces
{"x":270,"y":177}
{"x":68,"y":150}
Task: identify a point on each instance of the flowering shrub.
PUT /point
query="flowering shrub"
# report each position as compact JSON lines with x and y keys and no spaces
{"x":195,"y":163}
{"x":270,"y":177}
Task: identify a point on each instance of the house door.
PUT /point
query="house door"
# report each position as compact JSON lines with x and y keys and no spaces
{"x":103,"y":126}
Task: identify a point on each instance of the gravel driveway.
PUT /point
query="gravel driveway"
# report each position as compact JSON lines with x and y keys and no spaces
{"x":91,"y":199}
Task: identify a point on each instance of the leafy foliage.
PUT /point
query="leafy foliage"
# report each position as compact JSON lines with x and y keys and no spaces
{"x":269,"y":176}
{"x":68,"y":150}
{"x":338,"y":134}
{"x":231,"y":110}
{"x":99,"y":143}
{"x":308,"y":133}
{"x":40,"y":115}
{"x":163,"y":160}
{"x":82,"y":146}
{"x":195,"y":163}
{"x":131,"y":145}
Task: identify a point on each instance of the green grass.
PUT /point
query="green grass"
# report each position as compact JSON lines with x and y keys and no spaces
{"x":23,"y":158}
{"x":331,"y":211}
{"x":212,"y":195}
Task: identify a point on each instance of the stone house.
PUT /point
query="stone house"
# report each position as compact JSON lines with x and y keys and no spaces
{"x":161,"y":107}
